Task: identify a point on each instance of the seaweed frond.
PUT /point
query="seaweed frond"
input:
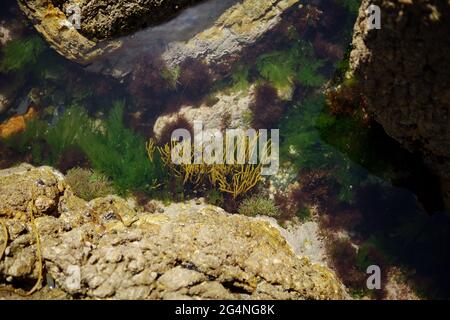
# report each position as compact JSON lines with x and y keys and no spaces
{"x":20,"y":54}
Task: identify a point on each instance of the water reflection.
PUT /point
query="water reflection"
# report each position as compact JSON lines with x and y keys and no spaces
{"x":156,"y":40}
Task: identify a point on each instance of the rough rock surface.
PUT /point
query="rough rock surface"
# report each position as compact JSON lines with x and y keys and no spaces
{"x":305,"y":238}
{"x":19,"y":185}
{"x":403,"y":70}
{"x":59,"y":32}
{"x":101,"y":19}
{"x":5,"y":102}
{"x":10,"y":30}
{"x":212,"y":30}
{"x":10,"y":88}
{"x":238,"y":27}
{"x":108,"y":249}
{"x":228,"y":112}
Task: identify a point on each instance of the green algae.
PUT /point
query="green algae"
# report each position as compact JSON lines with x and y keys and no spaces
{"x":303,"y":145}
{"x":66,"y":132}
{"x":120,"y":154}
{"x":21,"y":54}
{"x":351,"y":5}
{"x":240,"y":78}
{"x":258,"y":206}
{"x":111,"y":148}
{"x":88,"y":184}
{"x":297,"y":65}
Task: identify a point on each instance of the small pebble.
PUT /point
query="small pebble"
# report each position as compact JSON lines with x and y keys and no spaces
{"x":8,"y":251}
{"x":150,"y":207}
{"x":161,"y":210}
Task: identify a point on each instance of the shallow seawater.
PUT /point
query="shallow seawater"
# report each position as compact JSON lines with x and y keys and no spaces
{"x":155,"y":40}
{"x":382,"y":198}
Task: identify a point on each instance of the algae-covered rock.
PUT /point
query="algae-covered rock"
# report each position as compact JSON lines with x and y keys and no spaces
{"x":212,"y":30}
{"x":101,"y":19}
{"x":229,"y":109}
{"x":403,"y":72}
{"x":108,"y":249}
{"x":60,"y":33}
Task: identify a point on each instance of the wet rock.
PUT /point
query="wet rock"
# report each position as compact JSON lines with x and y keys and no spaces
{"x":10,"y":30}
{"x":8,"y":92}
{"x":237,"y":28}
{"x":124,"y":16}
{"x":5,"y":103}
{"x":229,"y":112}
{"x":60,"y":33}
{"x":199,"y":252}
{"x":213,"y":31}
{"x":402,"y":70}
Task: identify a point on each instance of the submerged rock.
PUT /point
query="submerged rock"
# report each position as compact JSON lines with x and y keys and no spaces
{"x":403,"y":72}
{"x":5,"y":102}
{"x":10,"y":30}
{"x":16,"y":124}
{"x":228,"y":111}
{"x":108,"y":249}
{"x":59,"y":32}
{"x":213,"y":31}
